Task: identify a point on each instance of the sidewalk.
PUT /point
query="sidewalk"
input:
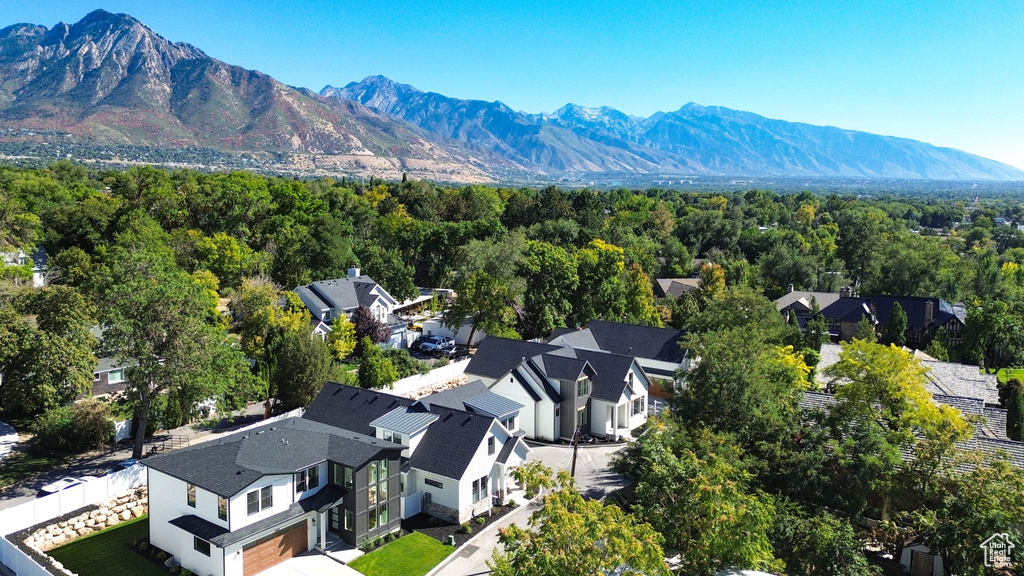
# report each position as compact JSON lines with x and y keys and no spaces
{"x":471,"y":559}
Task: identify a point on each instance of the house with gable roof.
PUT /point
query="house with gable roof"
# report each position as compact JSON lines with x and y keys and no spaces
{"x":458,"y":455}
{"x":328,"y":300}
{"x":237,"y":505}
{"x":563,"y":388}
{"x":925,"y":316}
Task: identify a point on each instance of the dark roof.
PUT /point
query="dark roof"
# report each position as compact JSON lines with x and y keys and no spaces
{"x":328,"y":496}
{"x":915,"y":307}
{"x":496,"y":357}
{"x":448,"y":446}
{"x":610,"y":379}
{"x":508,"y":447}
{"x":802,"y":300}
{"x":351,"y":408}
{"x":232,"y":463}
{"x":662,"y":344}
{"x":848,"y":309}
{"x":562,"y":367}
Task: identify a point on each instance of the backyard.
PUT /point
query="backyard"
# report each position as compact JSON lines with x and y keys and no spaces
{"x":1006,"y":374}
{"x":107,"y":553}
{"x":412,"y":555}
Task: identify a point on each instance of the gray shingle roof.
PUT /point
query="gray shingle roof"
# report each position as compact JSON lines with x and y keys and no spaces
{"x":349,"y":293}
{"x":804,"y":298}
{"x":611,"y":370}
{"x":405,"y":420}
{"x":662,"y":344}
{"x":449,"y":444}
{"x":496,"y":357}
{"x":351,"y":408}
{"x":675,"y":287}
{"x":232,"y":463}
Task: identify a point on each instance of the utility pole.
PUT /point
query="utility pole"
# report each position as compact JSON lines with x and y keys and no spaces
{"x":575,"y":450}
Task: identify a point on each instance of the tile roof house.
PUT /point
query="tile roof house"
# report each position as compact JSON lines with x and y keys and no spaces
{"x":329,"y":299}
{"x":240,"y":504}
{"x":563,"y":388}
{"x":925,"y":315}
{"x":458,"y":453}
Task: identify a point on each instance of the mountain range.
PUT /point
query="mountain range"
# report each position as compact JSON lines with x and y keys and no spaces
{"x":110,"y":80}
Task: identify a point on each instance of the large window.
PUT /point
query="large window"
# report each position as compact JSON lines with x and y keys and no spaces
{"x":480,"y":489}
{"x":190,"y":491}
{"x":392,"y":437}
{"x":349,"y":520}
{"x":307,"y":479}
{"x":201,"y":546}
{"x":638,"y":406}
{"x":509,"y":424}
{"x":222,"y":508}
{"x":581,"y":418}
{"x":116,"y":376}
{"x":582,"y":387}
{"x":377,"y":494}
{"x":261,"y":499}
{"x":490,"y":446}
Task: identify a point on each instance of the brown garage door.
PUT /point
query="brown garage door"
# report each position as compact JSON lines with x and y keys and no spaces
{"x":273,"y":549}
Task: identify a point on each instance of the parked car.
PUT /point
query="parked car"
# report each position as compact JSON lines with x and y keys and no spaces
{"x":436,"y":342}
{"x":64,"y":483}
{"x":452,"y":352}
{"x":418,"y":342}
{"x":124,"y":465}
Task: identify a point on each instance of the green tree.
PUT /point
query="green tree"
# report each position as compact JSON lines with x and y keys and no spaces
{"x":866,"y":329}
{"x":549,"y":273}
{"x":487,"y":302}
{"x":301,"y":365}
{"x":816,"y":333}
{"x":896,"y":331}
{"x":703,"y":505}
{"x":638,"y":306}
{"x":533,"y":476}
{"x":376,"y":370}
{"x":570,"y":535}
{"x":156,"y":316}
{"x":817,"y":545}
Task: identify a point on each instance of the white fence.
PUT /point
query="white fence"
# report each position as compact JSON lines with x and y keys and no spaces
{"x":122,"y":430}
{"x":49,"y":507}
{"x":435,"y":376}
{"x":411,"y":505}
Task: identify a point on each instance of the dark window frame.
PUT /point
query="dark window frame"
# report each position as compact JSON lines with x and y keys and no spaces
{"x":201,"y":546}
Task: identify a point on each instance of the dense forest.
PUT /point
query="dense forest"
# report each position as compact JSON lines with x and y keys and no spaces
{"x":153,"y":255}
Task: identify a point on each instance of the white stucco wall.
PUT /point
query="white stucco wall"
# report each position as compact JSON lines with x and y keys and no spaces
{"x":283,"y":498}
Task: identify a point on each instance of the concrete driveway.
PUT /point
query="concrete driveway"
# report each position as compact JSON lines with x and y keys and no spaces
{"x":310,"y":564}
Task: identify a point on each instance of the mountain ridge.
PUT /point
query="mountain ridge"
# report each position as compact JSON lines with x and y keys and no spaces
{"x":110,"y":80}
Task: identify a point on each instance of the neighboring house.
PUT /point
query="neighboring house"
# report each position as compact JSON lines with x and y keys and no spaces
{"x":329,"y":299}
{"x":801,"y":303}
{"x":917,"y":559}
{"x":674,"y":287}
{"x":925,"y":315}
{"x":458,"y":456}
{"x":109,"y":378}
{"x":564,"y":388}
{"x":659,"y":351}
{"x":37,"y":260}
{"x":961,"y":386}
{"x":240,"y":504}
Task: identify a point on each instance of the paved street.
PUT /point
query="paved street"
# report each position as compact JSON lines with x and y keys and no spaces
{"x":593,"y":478}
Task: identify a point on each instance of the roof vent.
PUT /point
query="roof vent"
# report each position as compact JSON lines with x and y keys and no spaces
{"x":283,"y":441}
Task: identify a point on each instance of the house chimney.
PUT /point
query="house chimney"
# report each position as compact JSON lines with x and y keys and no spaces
{"x":790,"y":287}
{"x":353,"y":272}
{"x":929,"y":312}
{"x":844,"y":292}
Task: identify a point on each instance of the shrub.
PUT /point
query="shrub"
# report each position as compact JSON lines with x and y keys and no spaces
{"x":161,"y":556}
{"x":74,"y":428}
{"x":186,"y":572}
{"x":465,"y":528}
{"x":481,"y":520}
{"x":144,"y":546}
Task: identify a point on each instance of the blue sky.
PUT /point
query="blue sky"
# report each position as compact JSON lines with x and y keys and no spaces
{"x":947,"y":72}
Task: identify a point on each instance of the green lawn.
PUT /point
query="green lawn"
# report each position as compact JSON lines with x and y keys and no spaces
{"x":412,"y":555}
{"x":106,"y":553}
{"x":1005,"y":374}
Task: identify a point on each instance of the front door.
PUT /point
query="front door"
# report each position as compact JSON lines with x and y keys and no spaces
{"x":334,"y":519}
{"x":920,"y":564}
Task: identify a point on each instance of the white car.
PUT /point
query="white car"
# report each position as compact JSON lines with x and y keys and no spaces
{"x":65,"y":483}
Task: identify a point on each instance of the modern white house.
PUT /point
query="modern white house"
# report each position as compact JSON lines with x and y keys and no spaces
{"x":564,"y":389}
{"x":37,"y":260}
{"x":457,"y":456}
{"x":245,"y":502}
{"x":328,"y":300}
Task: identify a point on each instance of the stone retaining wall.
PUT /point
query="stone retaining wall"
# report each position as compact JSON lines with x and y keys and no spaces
{"x":110,"y":512}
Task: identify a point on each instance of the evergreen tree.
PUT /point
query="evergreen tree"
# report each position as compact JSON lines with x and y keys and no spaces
{"x":896,"y":331}
{"x":866,"y":330}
